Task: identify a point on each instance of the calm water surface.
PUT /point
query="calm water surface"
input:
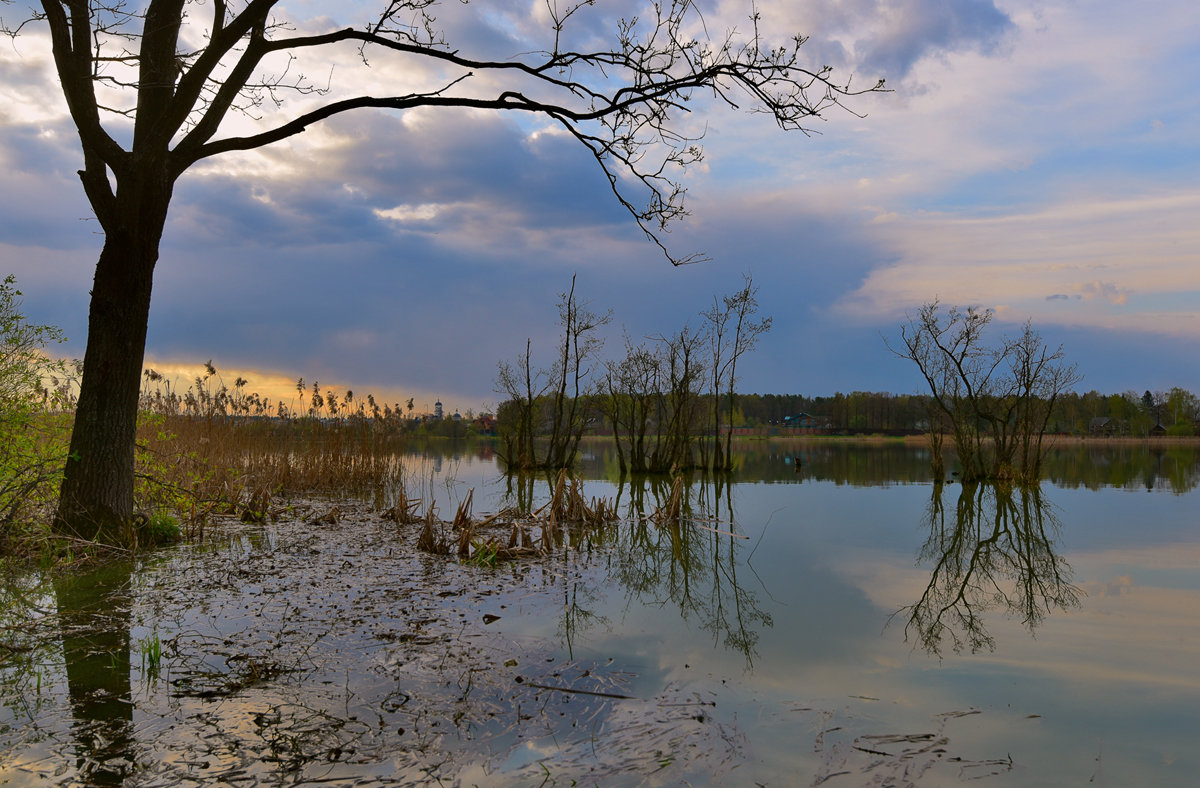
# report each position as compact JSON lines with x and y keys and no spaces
{"x":832,"y":617}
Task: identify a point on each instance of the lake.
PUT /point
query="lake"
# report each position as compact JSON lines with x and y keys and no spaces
{"x":829,"y":617}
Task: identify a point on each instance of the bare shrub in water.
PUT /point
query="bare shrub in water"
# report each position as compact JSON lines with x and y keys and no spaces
{"x":996,"y":400}
{"x":509,"y":533}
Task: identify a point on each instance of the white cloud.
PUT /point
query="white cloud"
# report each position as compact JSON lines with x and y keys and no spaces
{"x":1126,"y":259}
{"x":28,"y":84}
{"x":405,"y":214}
{"x":1106,"y":290}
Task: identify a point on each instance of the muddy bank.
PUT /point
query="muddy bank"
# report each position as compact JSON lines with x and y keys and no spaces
{"x":299,"y":653}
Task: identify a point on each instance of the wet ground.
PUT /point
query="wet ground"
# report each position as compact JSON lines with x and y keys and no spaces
{"x":760,"y":638}
{"x":300,"y":654}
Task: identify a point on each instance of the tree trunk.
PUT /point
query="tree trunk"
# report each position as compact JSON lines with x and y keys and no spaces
{"x":96,"y":501}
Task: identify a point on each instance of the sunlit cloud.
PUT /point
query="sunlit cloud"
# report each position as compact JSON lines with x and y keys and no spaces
{"x":1103,"y":263}
{"x":1106,"y":290}
{"x":405,"y":214}
{"x":29,"y":91}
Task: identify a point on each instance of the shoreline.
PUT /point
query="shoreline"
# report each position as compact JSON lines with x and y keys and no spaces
{"x":1052,"y":440}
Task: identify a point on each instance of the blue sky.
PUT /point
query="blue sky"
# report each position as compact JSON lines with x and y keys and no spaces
{"x":1038,"y":159}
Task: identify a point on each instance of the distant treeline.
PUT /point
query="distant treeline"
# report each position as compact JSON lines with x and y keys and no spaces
{"x":1174,"y":412}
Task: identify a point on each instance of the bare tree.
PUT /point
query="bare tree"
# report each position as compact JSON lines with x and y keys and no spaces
{"x":684,"y":373}
{"x":139,"y":64}
{"x":632,"y":388}
{"x":555,"y":396}
{"x":522,"y":387}
{"x":651,"y":398}
{"x":996,"y":400}
{"x":1040,"y":376}
{"x":732,"y":332}
{"x":572,"y":368}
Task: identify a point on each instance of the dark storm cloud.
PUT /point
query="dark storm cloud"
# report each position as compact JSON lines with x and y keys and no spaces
{"x":360,"y":301}
{"x":921,"y":27}
{"x":1115,"y":360}
{"x":481,"y":168}
{"x":297,"y":270}
{"x":326,"y":286}
{"x":887,"y":37}
{"x":41,"y":202}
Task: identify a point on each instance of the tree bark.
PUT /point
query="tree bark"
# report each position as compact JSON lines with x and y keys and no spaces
{"x":96,"y":501}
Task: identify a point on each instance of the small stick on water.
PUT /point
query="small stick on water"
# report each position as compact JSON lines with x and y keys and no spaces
{"x":580,"y":692}
{"x":722,"y":533}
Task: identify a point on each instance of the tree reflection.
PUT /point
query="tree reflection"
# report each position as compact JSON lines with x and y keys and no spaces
{"x":1159,"y":465}
{"x":690,"y":560}
{"x":1153,"y":465}
{"x":995,"y":549}
{"x":687,"y":557}
{"x":94,"y":613}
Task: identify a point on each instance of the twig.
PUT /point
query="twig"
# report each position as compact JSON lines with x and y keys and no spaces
{"x":580,"y":692}
{"x":723,"y":533}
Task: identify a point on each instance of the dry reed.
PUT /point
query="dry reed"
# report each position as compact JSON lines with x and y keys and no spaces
{"x":431,"y":539}
{"x":213,"y":450}
{"x":463,"y":525}
{"x":567,"y":508}
{"x":404,"y":512}
{"x":203,"y":465}
{"x":673,"y":509}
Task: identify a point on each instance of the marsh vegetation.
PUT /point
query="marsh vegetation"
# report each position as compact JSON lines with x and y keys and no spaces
{"x":653,"y":632}
{"x":357,"y":599}
{"x":668,"y":402}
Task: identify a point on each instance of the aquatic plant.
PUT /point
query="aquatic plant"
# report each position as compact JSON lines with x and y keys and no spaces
{"x":151,"y":651}
{"x":162,"y":528}
{"x":483,"y":554}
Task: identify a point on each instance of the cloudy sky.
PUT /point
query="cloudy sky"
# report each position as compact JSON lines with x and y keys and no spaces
{"x":1040,"y":159}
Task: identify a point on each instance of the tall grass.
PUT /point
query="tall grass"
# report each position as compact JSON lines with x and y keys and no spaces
{"x":212,"y":449}
{"x":210,"y":461}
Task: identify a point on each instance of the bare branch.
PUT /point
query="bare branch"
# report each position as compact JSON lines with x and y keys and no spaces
{"x":623,"y":105}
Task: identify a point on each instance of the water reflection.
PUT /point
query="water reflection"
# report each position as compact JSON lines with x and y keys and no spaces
{"x":679,"y":545}
{"x":788,"y":461}
{"x":94,"y":614}
{"x":882,"y":463}
{"x":995,"y":549}
{"x":1152,"y":465}
{"x":313,"y":654}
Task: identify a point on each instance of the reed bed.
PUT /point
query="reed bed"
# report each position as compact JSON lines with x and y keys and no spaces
{"x":214,"y":451}
{"x":200,"y":465}
{"x":510,"y":533}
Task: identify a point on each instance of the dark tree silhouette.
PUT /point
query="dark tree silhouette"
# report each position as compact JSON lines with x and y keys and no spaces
{"x":177,"y":69}
{"x":997,"y":399}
